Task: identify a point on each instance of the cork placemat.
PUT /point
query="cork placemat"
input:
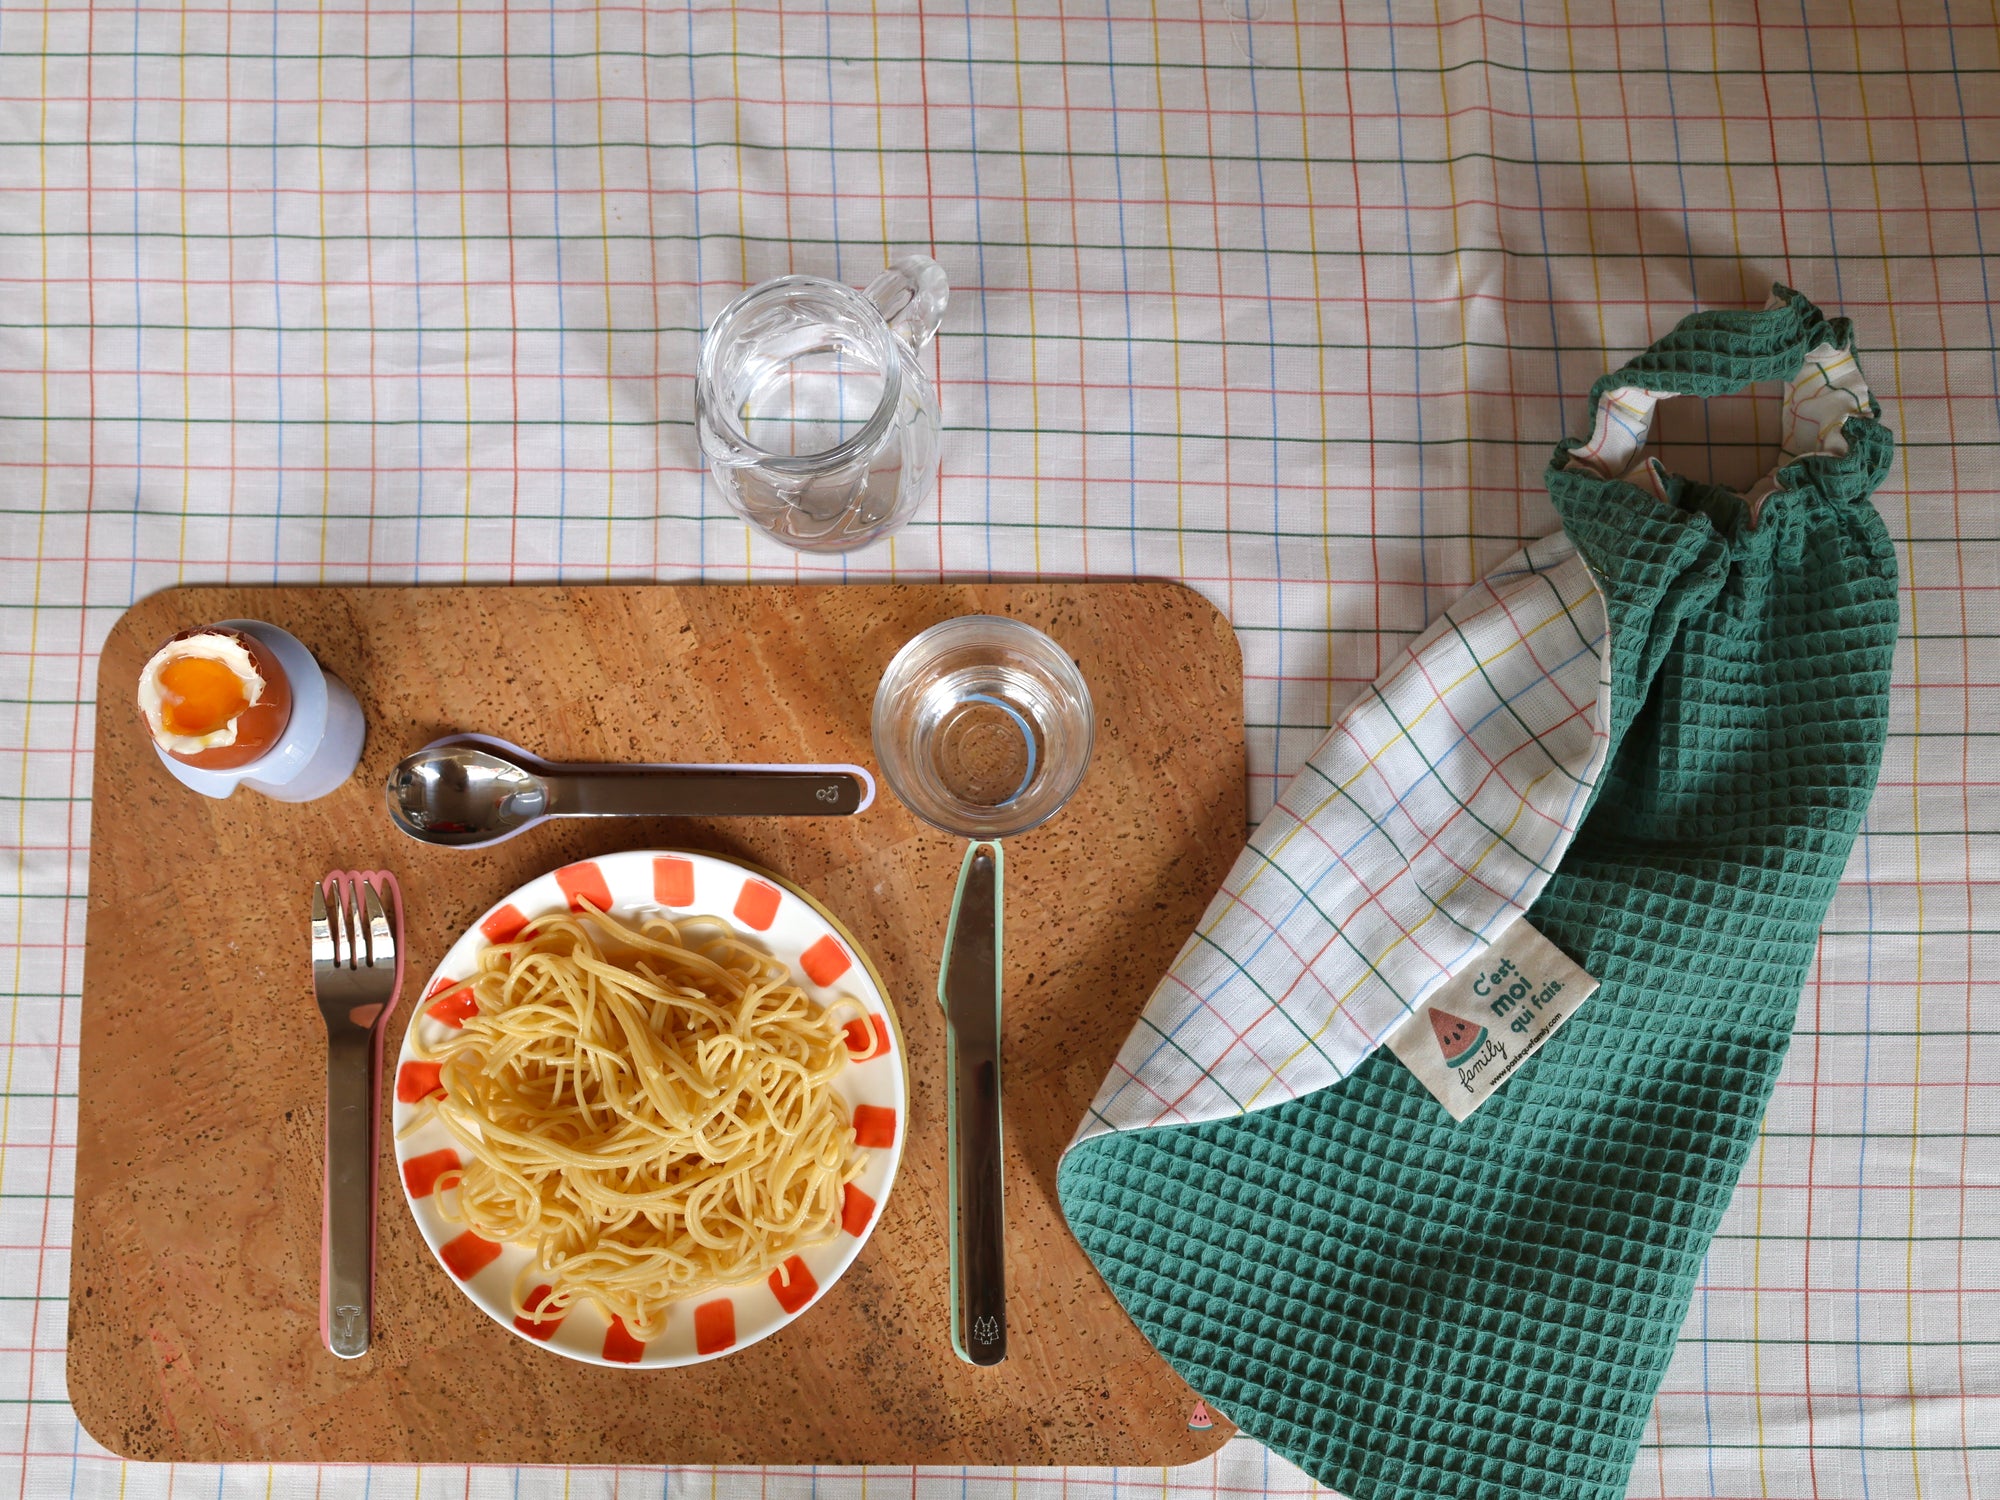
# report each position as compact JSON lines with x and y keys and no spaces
{"x":194,"y":1291}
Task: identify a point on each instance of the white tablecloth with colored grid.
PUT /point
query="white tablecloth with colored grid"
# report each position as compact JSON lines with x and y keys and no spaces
{"x":1285,"y":299}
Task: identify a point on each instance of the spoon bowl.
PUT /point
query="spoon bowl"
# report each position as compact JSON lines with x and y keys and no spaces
{"x":461,"y":795}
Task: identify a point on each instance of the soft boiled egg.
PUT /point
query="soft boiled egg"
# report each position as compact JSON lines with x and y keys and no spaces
{"x":214,"y":698}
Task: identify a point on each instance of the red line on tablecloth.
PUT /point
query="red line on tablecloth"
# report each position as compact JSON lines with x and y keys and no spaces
{"x":513,"y":295}
{"x":1202,"y":19}
{"x":1966,"y":783}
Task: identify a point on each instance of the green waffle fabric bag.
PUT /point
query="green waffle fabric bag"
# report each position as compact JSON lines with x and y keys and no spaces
{"x":1411,"y":1308}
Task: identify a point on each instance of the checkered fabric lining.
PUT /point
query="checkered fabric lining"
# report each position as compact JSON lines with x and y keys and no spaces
{"x":1429,"y":818}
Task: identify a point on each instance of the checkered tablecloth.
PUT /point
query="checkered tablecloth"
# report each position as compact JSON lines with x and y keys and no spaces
{"x":1285,"y":299}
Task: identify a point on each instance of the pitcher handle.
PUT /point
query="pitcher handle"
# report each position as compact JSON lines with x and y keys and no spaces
{"x":911,"y":295}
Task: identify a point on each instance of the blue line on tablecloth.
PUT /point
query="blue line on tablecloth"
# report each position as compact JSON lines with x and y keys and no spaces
{"x":417,"y":306}
{"x":139,"y":335}
{"x":1861,"y":1152}
{"x":562,"y":326}
{"x":1687,"y":235}
{"x":1707,"y":1406}
{"x":1125,"y":288}
{"x":1541,"y":217}
{"x":1708,"y":449}
{"x":1972,"y":192}
{"x":700,"y":286}
{"x":1868,"y":978}
{"x":1271,"y":350}
{"x":277,"y":316}
{"x":979,"y":240}
{"x":1416,"y":331}
{"x":1832,"y":221}
{"x":833,"y":184}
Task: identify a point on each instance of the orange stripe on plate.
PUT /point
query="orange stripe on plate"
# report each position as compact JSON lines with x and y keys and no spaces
{"x":417,"y":1081}
{"x":584,"y":882}
{"x":421,"y":1173}
{"x":867,"y":1038}
{"x":874,"y":1125}
{"x":825,"y":961}
{"x":757,"y":905}
{"x":793,"y":1285}
{"x":468,"y":1255}
{"x":534,"y":1327}
{"x":504,"y":925}
{"x":856,"y":1209}
{"x":454,"y":1007}
{"x":620,"y":1345}
{"x":714,"y":1326}
{"x":673,"y":885}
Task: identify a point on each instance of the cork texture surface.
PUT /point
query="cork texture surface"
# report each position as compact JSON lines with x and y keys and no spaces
{"x":194,"y":1304}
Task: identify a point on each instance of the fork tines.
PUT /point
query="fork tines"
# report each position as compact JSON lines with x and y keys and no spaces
{"x":355,"y":932}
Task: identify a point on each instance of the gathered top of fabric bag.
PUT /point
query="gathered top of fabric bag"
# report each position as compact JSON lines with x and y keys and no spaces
{"x":1655,"y":734}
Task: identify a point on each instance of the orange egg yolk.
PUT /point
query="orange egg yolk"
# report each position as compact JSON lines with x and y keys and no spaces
{"x":198,"y":695}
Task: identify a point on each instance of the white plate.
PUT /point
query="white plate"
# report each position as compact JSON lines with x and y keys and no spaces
{"x":770,"y":913}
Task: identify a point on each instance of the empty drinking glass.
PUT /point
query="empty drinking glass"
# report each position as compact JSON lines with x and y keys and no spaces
{"x":813,"y":407}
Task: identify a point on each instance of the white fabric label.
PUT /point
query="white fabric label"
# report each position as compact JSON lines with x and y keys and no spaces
{"x":1468,"y":1037}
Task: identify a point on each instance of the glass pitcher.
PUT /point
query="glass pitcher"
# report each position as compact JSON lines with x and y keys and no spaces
{"x":813,"y":407}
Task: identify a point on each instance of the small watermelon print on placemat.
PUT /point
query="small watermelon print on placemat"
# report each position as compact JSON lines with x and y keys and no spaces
{"x":1457,"y":1037}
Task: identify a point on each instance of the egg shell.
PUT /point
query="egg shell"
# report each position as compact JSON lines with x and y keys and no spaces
{"x":259,"y":726}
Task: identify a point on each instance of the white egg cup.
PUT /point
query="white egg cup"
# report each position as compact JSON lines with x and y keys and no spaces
{"x":321,"y":744}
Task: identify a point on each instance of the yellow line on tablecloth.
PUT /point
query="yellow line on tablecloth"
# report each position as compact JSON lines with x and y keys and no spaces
{"x":1915,"y":636}
{"x":1747,"y":298}
{"x":1076,"y":291}
{"x":465,"y":309}
{"x":1744,"y":292}
{"x":742,"y":212}
{"x":229,"y":293}
{"x":34,"y":618}
{"x":1583,"y":178}
{"x":325,"y":307}
{"x":187,"y":323}
{"x":610,"y":320}
{"x":1464,"y":336}
{"x":1028,"y":265}
{"x":1965,"y":777}
{"x":653,"y":385}
{"x":1173,"y":299}
{"x":882,"y":202}
{"x":1319,"y":339}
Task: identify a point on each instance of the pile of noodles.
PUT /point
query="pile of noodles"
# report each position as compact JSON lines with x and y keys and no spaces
{"x":648,"y":1106}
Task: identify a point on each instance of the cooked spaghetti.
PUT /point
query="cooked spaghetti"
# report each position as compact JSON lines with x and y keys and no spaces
{"x":648,"y":1106}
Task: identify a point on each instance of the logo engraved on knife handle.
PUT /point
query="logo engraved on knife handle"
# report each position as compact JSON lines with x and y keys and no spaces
{"x":828,"y":793}
{"x":985,"y":1329}
{"x":345,"y":1334}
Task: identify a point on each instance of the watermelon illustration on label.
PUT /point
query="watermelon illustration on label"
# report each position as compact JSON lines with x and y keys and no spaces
{"x":1524,"y":981}
{"x":1457,"y":1038}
